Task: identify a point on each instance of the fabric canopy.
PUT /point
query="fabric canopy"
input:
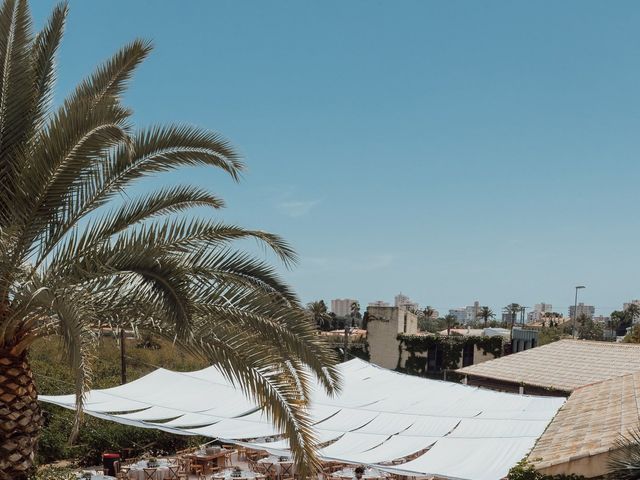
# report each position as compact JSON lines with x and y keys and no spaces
{"x":451,"y":430}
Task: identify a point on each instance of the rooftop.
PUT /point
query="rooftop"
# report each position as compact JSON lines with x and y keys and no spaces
{"x":590,"y":421}
{"x":562,"y":365}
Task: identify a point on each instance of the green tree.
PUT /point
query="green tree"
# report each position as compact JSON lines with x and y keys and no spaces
{"x":355,"y":313}
{"x":319,"y":314}
{"x":485,"y":314}
{"x":634,"y":335}
{"x":512,"y":311}
{"x":73,"y":255}
{"x":450,"y":321}
{"x":588,"y":329}
{"x":622,"y":320}
{"x":428,"y":312}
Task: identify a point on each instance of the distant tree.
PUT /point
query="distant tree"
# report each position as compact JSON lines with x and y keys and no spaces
{"x":334,"y":321}
{"x":319,"y":314}
{"x":622,"y":321}
{"x":549,"y":335}
{"x":450,"y":321}
{"x":634,"y":335}
{"x":588,"y":329}
{"x":486,"y":313}
{"x":428,"y":312}
{"x":633,"y":312}
{"x":355,"y":313}
{"x":512,"y":311}
{"x":365,"y":320}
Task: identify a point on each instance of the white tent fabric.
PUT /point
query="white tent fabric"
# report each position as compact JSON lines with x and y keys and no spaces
{"x":465,"y":458}
{"x":378,"y":417}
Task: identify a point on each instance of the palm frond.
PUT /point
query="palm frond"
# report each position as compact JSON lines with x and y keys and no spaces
{"x":624,"y":459}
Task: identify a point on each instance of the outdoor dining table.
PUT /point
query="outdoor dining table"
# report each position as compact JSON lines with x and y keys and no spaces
{"x":281,"y":467}
{"x":369,"y":473}
{"x":136,"y":470}
{"x":244,"y":475}
{"x":95,"y":476}
{"x":203,"y":458}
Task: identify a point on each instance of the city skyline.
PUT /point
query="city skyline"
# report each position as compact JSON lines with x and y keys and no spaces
{"x":497,"y":309}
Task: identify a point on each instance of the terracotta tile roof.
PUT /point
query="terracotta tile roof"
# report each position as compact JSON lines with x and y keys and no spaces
{"x":590,"y":421}
{"x":563,"y":365}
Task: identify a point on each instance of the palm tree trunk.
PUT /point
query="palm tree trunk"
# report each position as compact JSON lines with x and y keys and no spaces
{"x":20,"y":416}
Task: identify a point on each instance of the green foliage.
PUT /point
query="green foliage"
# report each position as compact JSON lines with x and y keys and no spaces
{"x":54,"y":473}
{"x":97,"y":436}
{"x":624,"y":461}
{"x":523,"y":470}
{"x":590,"y":330}
{"x":549,"y":335}
{"x":634,"y":335}
{"x":432,"y":325}
{"x":450,"y":346}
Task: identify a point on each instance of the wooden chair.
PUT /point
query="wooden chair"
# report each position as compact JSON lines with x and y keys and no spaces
{"x":227,"y":458}
{"x":195,"y":469}
{"x":242,"y":453}
{"x":286,"y":470}
{"x":173,"y":472}
{"x":150,"y":473}
{"x":121,"y":476}
{"x":271,"y":470}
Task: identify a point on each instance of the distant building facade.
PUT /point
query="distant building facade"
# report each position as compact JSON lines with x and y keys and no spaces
{"x":383,"y":327}
{"x":379,"y":303}
{"x":459,"y":313}
{"x":342,"y":306}
{"x":466,"y":315}
{"x":405,"y":302}
{"x":588,"y":310}
{"x":537,"y":314}
{"x":387,"y":325}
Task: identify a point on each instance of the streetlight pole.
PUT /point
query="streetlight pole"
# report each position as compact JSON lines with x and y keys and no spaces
{"x":575,"y":309}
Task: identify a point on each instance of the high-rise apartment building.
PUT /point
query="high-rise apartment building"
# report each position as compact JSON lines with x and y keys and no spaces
{"x":459,"y":313}
{"x":342,"y":306}
{"x":588,"y":310}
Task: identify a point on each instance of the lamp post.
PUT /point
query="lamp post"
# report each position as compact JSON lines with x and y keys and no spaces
{"x":575,"y":309}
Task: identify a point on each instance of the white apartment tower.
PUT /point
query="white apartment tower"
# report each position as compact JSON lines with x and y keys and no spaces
{"x":342,"y":306}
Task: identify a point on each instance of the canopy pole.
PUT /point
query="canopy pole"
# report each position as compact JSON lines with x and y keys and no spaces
{"x":123,"y":361}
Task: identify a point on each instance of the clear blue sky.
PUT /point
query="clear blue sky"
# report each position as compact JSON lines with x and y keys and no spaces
{"x":454,"y":150}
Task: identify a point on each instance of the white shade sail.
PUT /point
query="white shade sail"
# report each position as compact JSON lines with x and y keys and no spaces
{"x":379,"y":416}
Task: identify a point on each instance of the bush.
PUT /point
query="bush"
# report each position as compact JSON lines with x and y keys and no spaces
{"x":96,"y":436}
{"x":54,"y":473}
{"x":525,"y":471}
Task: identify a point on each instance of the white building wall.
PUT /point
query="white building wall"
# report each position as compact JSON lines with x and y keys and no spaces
{"x":342,"y":306}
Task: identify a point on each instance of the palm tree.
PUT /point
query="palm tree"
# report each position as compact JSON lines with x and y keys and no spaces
{"x":624,"y":460}
{"x":512,"y":310}
{"x":450,"y":321}
{"x":355,"y":313}
{"x":486,"y":313}
{"x":428,"y":312}
{"x":319,"y":314}
{"x":72,"y":258}
{"x":633,"y":311}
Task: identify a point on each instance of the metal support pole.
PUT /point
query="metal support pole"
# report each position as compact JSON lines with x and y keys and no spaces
{"x":123,"y":362}
{"x":346,"y":341}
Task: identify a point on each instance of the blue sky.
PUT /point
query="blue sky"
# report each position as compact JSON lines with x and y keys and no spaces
{"x":453,"y":151}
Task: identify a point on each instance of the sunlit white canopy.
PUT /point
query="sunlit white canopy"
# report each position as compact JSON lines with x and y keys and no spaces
{"x":453,"y":431}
